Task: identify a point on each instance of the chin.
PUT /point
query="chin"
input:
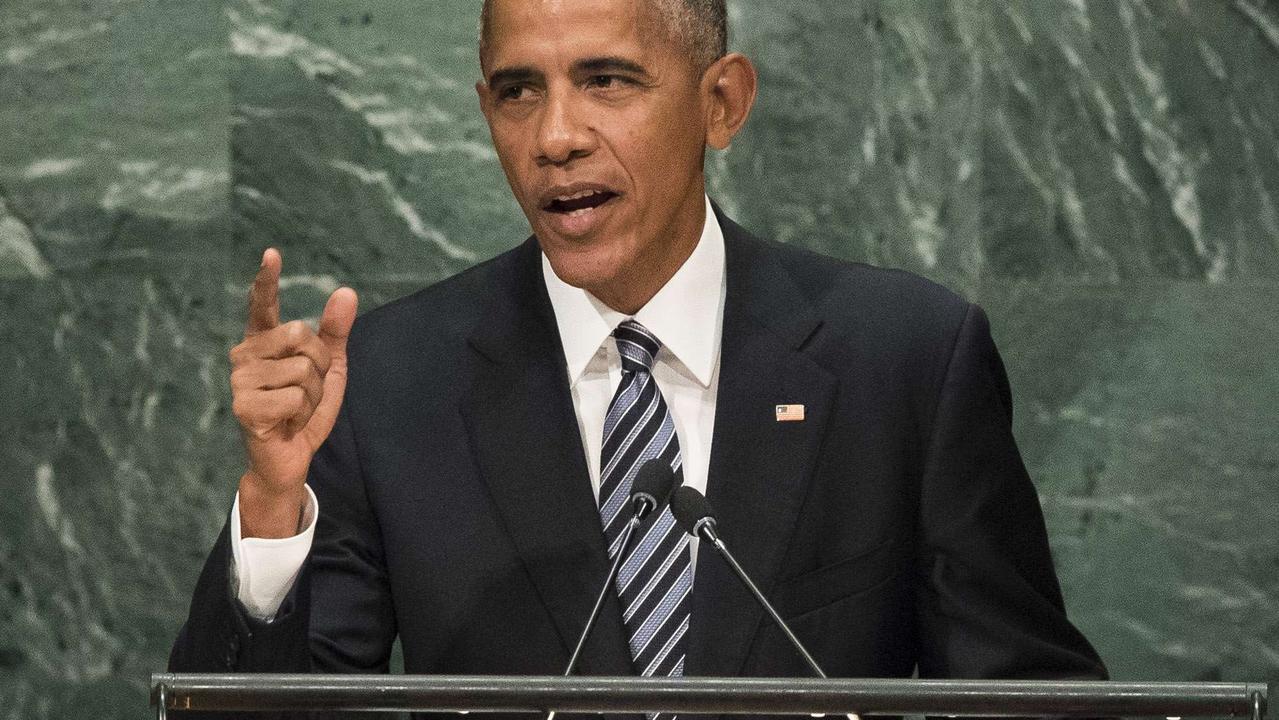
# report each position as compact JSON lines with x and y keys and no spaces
{"x":600,"y":281}
{"x":586,"y":278}
{"x":583,"y":271}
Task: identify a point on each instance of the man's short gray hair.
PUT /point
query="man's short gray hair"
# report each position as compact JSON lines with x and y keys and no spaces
{"x":701,"y":26}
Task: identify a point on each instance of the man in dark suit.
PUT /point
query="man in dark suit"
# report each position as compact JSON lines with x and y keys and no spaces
{"x":851,"y":425}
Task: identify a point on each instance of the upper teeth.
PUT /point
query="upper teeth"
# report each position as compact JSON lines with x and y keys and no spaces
{"x":584,"y":193}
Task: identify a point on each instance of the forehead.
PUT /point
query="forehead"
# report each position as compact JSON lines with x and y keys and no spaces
{"x":548,"y":31}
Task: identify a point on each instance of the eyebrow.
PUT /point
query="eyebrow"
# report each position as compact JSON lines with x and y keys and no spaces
{"x":515,"y":75}
{"x":609,"y":63}
{"x":524,"y":73}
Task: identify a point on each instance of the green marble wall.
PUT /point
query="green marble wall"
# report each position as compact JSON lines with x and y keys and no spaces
{"x":1103,"y":175}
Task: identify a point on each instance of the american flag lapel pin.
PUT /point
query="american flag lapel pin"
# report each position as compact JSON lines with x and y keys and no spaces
{"x":790,"y":413}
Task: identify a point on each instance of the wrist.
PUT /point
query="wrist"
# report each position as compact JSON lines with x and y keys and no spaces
{"x":267,"y":512}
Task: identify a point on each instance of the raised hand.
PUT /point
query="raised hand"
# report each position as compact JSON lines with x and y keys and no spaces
{"x":287,"y":383}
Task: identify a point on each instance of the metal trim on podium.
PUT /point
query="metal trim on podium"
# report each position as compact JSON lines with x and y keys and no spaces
{"x":702,"y":695}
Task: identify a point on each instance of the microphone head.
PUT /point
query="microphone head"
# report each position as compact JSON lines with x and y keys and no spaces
{"x":691,"y":510}
{"x":652,"y":484}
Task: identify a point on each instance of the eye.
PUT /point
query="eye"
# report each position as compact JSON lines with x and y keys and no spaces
{"x":606,"y":82}
{"x":510,"y":92}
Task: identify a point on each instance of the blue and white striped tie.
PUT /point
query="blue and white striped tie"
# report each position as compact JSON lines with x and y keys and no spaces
{"x":656,"y":576}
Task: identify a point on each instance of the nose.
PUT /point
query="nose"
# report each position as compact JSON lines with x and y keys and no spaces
{"x":565,"y":133}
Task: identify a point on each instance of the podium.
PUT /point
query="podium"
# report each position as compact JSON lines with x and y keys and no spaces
{"x":705,"y":695}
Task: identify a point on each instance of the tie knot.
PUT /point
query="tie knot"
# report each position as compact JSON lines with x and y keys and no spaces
{"x":636,"y":345}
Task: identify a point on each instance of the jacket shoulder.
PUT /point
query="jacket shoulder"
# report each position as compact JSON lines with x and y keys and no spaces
{"x":854,"y":296}
{"x":433,"y":319}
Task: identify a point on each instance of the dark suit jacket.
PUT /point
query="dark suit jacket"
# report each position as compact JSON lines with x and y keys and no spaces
{"x":894,"y":527}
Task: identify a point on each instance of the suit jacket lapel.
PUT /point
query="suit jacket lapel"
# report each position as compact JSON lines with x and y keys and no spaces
{"x":759,"y":468}
{"x":524,"y":432}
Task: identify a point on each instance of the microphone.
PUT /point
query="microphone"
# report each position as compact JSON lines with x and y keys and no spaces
{"x":651,"y":487}
{"x":649,"y":490}
{"x":693,"y":513}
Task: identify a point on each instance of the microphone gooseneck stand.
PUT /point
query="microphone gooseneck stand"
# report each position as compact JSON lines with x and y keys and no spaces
{"x":649,"y":491}
{"x":599,"y":599}
{"x":694,"y":514}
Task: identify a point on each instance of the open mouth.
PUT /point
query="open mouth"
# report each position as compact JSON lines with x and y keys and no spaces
{"x":578,"y":202}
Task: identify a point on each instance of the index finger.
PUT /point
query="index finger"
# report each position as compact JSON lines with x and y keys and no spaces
{"x":264,"y":296}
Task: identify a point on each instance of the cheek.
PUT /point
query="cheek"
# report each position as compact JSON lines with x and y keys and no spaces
{"x":651,"y":144}
{"x":681,"y":116}
{"x":511,"y":155}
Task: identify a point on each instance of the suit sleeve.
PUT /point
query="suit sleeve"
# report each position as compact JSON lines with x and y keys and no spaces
{"x":336,"y":618}
{"x":990,"y":605}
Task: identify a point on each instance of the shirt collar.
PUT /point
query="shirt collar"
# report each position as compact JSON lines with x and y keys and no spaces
{"x":687,"y":314}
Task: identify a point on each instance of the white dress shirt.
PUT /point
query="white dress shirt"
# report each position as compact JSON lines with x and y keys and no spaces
{"x":687,"y":315}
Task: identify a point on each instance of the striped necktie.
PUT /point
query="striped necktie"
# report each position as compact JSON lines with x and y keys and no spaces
{"x":656,"y":576}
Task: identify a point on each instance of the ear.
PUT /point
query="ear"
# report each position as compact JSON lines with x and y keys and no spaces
{"x":729,"y":85}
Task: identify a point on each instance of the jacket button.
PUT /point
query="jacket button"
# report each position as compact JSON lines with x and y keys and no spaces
{"x":232,"y":652}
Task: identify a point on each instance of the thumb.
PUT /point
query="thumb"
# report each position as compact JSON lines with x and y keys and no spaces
{"x":335,"y":327}
{"x":338,"y":317}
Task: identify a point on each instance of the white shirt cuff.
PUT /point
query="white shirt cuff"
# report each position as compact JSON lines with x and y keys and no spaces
{"x":263,"y":569}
